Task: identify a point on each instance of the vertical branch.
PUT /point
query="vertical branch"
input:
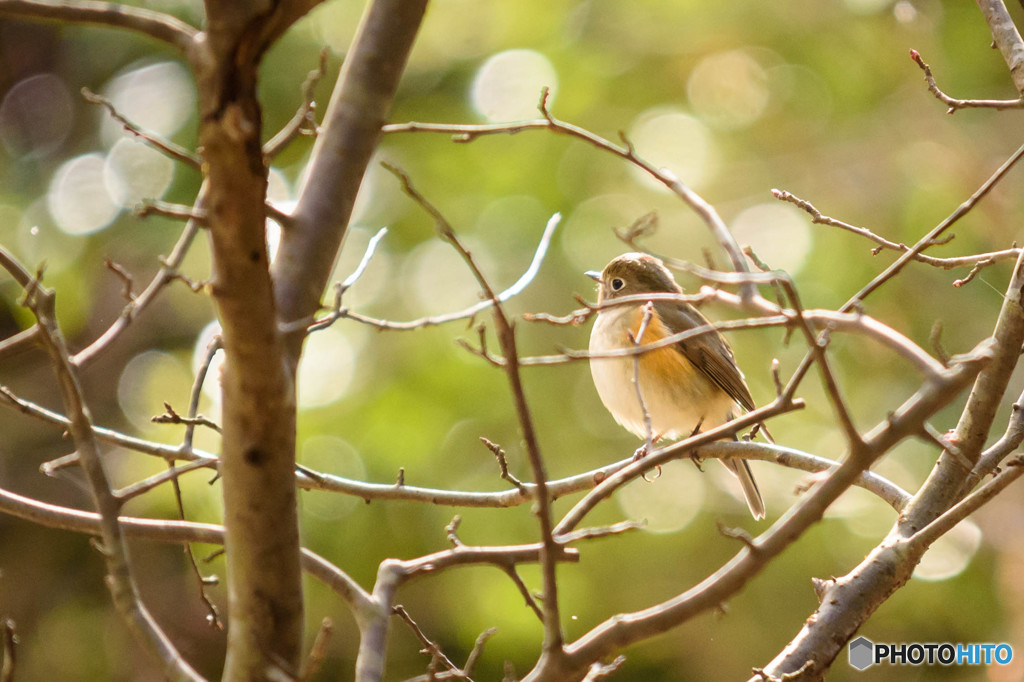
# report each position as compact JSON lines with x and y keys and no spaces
{"x":350,"y":133}
{"x":553,"y":646}
{"x":119,"y":577}
{"x":946,"y":480}
{"x":1007,"y":38}
{"x":851,"y":599}
{"x":265,"y":625}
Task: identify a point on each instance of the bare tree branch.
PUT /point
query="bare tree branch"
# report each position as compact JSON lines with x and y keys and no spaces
{"x":550,"y":549}
{"x":351,"y":129}
{"x":558,"y":488}
{"x":854,"y":597}
{"x":946,"y":263}
{"x":302,"y":121}
{"x":173,"y":151}
{"x":119,"y":576}
{"x":1007,"y":38}
{"x":955,"y":104}
{"x":156,"y":25}
{"x":175,"y":532}
{"x":625,"y":628}
{"x":707,"y":213}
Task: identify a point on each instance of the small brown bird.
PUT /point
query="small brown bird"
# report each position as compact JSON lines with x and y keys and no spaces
{"x":689,"y":385}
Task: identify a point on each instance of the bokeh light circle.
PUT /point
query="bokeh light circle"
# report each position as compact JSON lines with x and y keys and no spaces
{"x":134,"y":171}
{"x":36,"y":116}
{"x":327,"y":368}
{"x":778,"y":234}
{"x":674,"y":140}
{"x":146,"y":382}
{"x":437,"y":279}
{"x":728,"y":90}
{"x":951,"y":554}
{"x":77,"y":197}
{"x":159,"y":98}
{"x":508,"y":85}
{"x":667,"y":503}
{"x":331,"y":455}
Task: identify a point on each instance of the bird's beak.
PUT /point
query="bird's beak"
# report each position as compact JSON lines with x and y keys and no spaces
{"x":593,"y":274}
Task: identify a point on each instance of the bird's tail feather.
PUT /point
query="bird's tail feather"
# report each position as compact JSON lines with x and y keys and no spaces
{"x":750,"y":491}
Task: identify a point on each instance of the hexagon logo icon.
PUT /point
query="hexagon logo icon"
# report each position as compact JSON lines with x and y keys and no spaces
{"x":862,"y":653}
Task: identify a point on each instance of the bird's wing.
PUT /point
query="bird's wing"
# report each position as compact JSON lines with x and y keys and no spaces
{"x":710,"y":353}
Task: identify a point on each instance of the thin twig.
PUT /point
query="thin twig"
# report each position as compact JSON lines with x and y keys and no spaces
{"x":955,"y":104}
{"x":156,"y":25}
{"x":124,"y":276}
{"x":601,"y":531}
{"x":171,"y":417}
{"x":317,"y":652}
{"x":168,"y":148}
{"x":303,"y":121}
{"x":150,"y":207}
{"x":168,"y":273}
{"x":145,"y":485}
{"x":707,"y":213}
{"x":212,"y":614}
{"x":553,"y":636}
{"x":215,"y":345}
{"x":478,"y":648}
{"x":648,"y":312}
{"x":119,"y":577}
{"x":499,"y":454}
{"x":10,"y":639}
{"x":341,"y":312}
{"x":429,"y":647}
{"x":945,"y":263}
{"x":531,"y":602}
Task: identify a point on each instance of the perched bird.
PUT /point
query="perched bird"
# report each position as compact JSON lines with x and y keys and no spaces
{"x":690,"y":385}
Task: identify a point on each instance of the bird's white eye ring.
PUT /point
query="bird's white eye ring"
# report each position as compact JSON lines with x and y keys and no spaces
{"x":617,"y":284}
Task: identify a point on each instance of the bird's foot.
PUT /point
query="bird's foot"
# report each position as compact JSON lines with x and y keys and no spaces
{"x":697,"y":461}
{"x":640,"y":453}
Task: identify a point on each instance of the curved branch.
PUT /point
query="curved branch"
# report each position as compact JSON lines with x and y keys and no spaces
{"x":170,"y":531}
{"x":623,"y":629}
{"x":706,"y":212}
{"x":156,"y":25}
{"x":512,"y":497}
{"x":119,"y":578}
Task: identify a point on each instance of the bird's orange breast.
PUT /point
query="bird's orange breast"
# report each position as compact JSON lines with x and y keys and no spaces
{"x":666,"y":364}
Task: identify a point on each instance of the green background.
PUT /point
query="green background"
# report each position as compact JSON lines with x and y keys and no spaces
{"x":844,"y":120}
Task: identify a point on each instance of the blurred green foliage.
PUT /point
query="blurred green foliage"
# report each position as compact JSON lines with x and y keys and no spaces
{"x":844,"y":120}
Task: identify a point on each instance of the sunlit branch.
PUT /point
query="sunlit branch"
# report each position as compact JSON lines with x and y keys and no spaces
{"x":303,"y":121}
{"x":972,"y":261}
{"x":550,"y":549}
{"x":707,"y":213}
{"x":512,"y":497}
{"x":156,"y":25}
{"x":341,"y":312}
{"x":168,"y":531}
{"x":955,"y":104}
{"x":168,"y":273}
{"x":1006,"y":37}
{"x":166,"y":147}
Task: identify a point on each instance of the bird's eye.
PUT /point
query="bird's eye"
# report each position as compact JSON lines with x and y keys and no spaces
{"x":617,"y":284}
